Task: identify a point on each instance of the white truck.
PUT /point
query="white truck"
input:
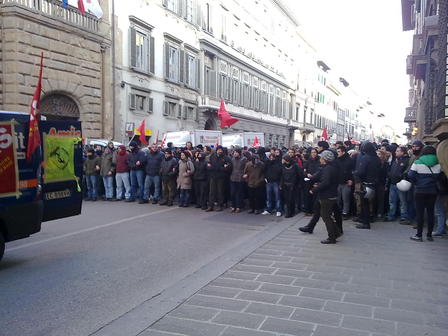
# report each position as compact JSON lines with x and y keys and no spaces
{"x":197,"y":137}
{"x":243,"y":139}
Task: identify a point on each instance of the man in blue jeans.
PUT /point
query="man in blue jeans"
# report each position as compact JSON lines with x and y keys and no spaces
{"x":136,"y":161}
{"x":152,"y":180}
{"x":273,"y":175}
{"x":397,"y":171}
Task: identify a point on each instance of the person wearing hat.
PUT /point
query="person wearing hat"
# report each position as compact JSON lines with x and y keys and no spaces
{"x":92,"y":167}
{"x":237,"y":181}
{"x":168,"y":173}
{"x":152,"y":180}
{"x":254,"y":175}
{"x":290,"y":175}
{"x":136,"y":161}
{"x":396,"y":173}
{"x":414,"y":154}
{"x":219,"y":167}
{"x":107,"y":171}
{"x":273,"y":175}
{"x":122,"y":169}
{"x":326,"y":190}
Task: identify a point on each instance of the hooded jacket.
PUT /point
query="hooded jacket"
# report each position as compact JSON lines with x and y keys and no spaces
{"x":255,"y":172}
{"x":107,"y":164}
{"x":291,"y":174}
{"x":424,"y":173}
{"x":168,"y":168}
{"x":398,"y":169}
{"x":217,"y":169}
{"x":273,"y":171}
{"x":327,"y":186}
{"x":186,"y":170}
{"x":200,"y":170}
{"x":346,"y":165}
{"x":238,"y":165}
{"x":153,"y":162}
{"x":368,"y":170}
{"x":134,"y":156}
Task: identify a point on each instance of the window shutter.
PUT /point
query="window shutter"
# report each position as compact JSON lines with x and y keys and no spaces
{"x":185,"y":115}
{"x":132,"y":101}
{"x":198,"y":73}
{"x":151,"y":55}
{"x":195,"y":114}
{"x":187,"y":70}
{"x":132,"y":43}
{"x":166,"y":64}
{"x":212,"y":83}
{"x":198,"y":14}
{"x":150,"y":105}
{"x":180,"y":7}
{"x":166,"y":108}
{"x":181,"y":65}
{"x":165,"y":3}
{"x":179,"y":110}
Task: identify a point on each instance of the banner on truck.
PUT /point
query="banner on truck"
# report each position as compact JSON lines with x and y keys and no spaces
{"x":59,"y":158}
{"x":9,"y":172}
{"x":207,"y":138}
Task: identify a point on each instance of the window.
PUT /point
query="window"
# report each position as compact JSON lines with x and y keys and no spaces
{"x":141,"y":50}
{"x":246,"y":89}
{"x":210,"y":82}
{"x":264,"y":98}
{"x":189,"y":11}
{"x":208,"y":18}
{"x":172,"y":63}
{"x":191,"y":74}
{"x":224,"y":27}
{"x":172,"y":5}
{"x":140,"y":102}
{"x":223,"y":83}
{"x":278,"y":103}
{"x":271,"y":100}
{"x":172,"y":109}
{"x":255,"y":97}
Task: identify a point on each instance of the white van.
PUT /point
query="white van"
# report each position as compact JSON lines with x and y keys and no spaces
{"x":244,"y":139}
{"x":197,"y":137}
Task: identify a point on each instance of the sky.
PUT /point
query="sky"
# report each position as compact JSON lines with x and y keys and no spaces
{"x":363,"y":41}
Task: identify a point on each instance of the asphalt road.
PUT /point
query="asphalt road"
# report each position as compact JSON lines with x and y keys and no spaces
{"x":81,"y":273}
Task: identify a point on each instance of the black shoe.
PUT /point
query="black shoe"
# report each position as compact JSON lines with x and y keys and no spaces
{"x":357,"y":220}
{"x":198,"y":206}
{"x":170,"y":203}
{"x":306,"y":229}
{"x":257,"y":212}
{"x":204,"y":208}
{"x":163,"y":203}
{"x":339,"y":234}
{"x":363,"y":226}
{"x":345,"y":217}
{"x":429,"y":238}
{"x":154,"y":202}
{"x":288,"y":216}
{"x":251,"y":211}
{"x":219,"y":208}
{"x":129,"y":200}
{"x":87,"y":199}
{"x":416,"y":238}
{"x":328,"y":241}
{"x":143,"y":202}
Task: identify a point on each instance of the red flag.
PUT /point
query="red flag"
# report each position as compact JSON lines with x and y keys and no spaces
{"x":324,"y":136}
{"x":157,"y":138}
{"x":256,"y":142}
{"x":81,"y":7}
{"x":142,"y":136}
{"x":226,"y":119}
{"x":33,"y":132}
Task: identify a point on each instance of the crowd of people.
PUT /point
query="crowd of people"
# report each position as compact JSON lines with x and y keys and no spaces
{"x":337,"y":182}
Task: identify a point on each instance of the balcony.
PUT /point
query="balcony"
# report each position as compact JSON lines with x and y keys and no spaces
{"x":417,"y":43}
{"x":53,"y":9}
{"x":411,"y":115}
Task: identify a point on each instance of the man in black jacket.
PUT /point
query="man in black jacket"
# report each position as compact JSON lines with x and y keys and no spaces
{"x":136,"y":162}
{"x":153,"y":162}
{"x":219,"y":167}
{"x":397,"y":172}
{"x":273,"y":175}
{"x":345,"y":166}
{"x":168,"y":172}
{"x":327,"y":192}
{"x":367,"y":172}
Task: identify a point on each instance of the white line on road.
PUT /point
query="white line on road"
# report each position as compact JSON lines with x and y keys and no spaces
{"x":88,"y":230}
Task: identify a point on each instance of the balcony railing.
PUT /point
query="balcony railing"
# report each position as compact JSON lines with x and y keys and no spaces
{"x":54,"y":9}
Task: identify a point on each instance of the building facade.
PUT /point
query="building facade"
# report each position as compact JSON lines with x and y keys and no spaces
{"x":77,"y":65}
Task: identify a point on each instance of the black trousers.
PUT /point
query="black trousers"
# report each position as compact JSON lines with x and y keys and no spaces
{"x":237,"y":194}
{"x":256,"y":198}
{"x":309,"y":199}
{"x":326,"y":209}
{"x":217,"y":191}
{"x":336,"y":211}
{"x":201,"y":192}
{"x":425,"y":202}
{"x":289,"y":199}
{"x":169,"y":189}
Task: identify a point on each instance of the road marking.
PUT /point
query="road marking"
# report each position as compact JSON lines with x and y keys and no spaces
{"x":87,"y":230}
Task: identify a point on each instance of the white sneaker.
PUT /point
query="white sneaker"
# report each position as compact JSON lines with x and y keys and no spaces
{"x":278,"y":214}
{"x":264,"y":213}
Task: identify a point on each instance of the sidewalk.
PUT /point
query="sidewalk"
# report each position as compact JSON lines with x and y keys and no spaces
{"x":372,"y":283}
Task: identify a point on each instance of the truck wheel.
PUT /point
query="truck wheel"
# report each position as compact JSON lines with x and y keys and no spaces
{"x":2,"y":245}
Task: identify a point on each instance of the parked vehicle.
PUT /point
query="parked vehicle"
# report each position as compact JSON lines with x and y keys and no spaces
{"x":243,"y":139}
{"x":202,"y":137}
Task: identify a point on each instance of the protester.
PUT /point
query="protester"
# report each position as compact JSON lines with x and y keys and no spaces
{"x":291,"y":173}
{"x":397,"y":198}
{"x":92,"y":167}
{"x":168,"y":173}
{"x":236,"y":181}
{"x":136,"y":161}
{"x":152,"y":180}
{"x":345,"y":166}
{"x":122,"y":174}
{"x":254,"y":175}
{"x":184,"y":179}
{"x":107,"y":172}
{"x":200,"y":180}
{"x":273,"y":176}
{"x":218,"y":167}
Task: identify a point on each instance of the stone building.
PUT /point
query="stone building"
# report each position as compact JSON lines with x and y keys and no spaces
{"x":77,"y":69}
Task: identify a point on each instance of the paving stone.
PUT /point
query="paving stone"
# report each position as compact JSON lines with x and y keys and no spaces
{"x":416,"y":306}
{"x":372,"y":282}
{"x":269,"y":310}
{"x":332,"y":331}
{"x":194,"y":313}
{"x":293,"y":273}
{"x":302,"y":302}
{"x":235,"y":283}
{"x":275,"y":279}
{"x":321,"y":294}
{"x":315,"y":316}
{"x":359,"y":289}
{"x":366,"y":300}
{"x":325,"y":269}
{"x":348,"y":308}
{"x":256,"y":262}
{"x":259,"y":296}
{"x":398,"y":315}
{"x":311,"y":283}
{"x":269,"y":257}
{"x":150,"y":332}
{"x":279,"y":289}
{"x":239,"y":275}
{"x":239,"y":319}
{"x":267,"y":251}
{"x":219,"y":303}
{"x":406,"y":329}
{"x":220,"y":291}
{"x":187,"y":327}
{"x":300,"y":267}
{"x":331,"y":277}
{"x":287,"y":327}
{"x":254,"y":269}
{"x":362,"y":323}
{"x":232,"y":331}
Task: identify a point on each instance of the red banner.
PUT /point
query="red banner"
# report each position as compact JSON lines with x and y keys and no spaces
{"x":9,"y":174}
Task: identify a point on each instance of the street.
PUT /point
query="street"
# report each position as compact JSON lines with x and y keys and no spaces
{"x":83,"y":272}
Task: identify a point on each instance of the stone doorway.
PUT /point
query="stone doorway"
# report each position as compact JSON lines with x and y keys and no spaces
{"x":210,"y":125}
{"x":59,"y":107}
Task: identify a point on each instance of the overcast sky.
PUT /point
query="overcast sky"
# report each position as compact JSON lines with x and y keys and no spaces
{"x":363,"y":41}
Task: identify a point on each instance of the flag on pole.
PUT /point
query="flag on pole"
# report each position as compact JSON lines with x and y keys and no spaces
{"x":65,"y":3}
{"x":81,"y":7}
{"x":142,"y":136}
{"x":324,"y":136}
{"x":256,"y":142}
{"x":33,"y":131}
{"x":226,"y":119}
{"x":90,"y":6}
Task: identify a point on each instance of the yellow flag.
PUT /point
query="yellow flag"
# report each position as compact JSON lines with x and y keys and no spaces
{"x":59,"y":158}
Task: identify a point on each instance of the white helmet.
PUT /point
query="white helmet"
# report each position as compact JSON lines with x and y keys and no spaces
{"x":370,"y":193}
{"x":404,"y":185}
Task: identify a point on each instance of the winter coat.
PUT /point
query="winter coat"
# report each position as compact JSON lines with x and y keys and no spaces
{"x":107,"y":164}
{"x":121,"y":162}
{"x":368,"y":169}
{"x":186,"y":170}
{"x":238,"y":166}
{"x":153,"y":162}
{"x":383,"y":173}
{"x":216,"y":169}
{"x":345,"y":165}
{"x":312,"y":166}
{"x":90,"y":165}
{"x":291,"y":174}
{"x":255,"y":174}
{"x":168,"y":168}
{"x":424,"y":173}
{"x":200,"y":170}
{"x":327,"y":186}
{"x":134,"y":156}
{"x":398,"y":169}
{"x":273,"y":171}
